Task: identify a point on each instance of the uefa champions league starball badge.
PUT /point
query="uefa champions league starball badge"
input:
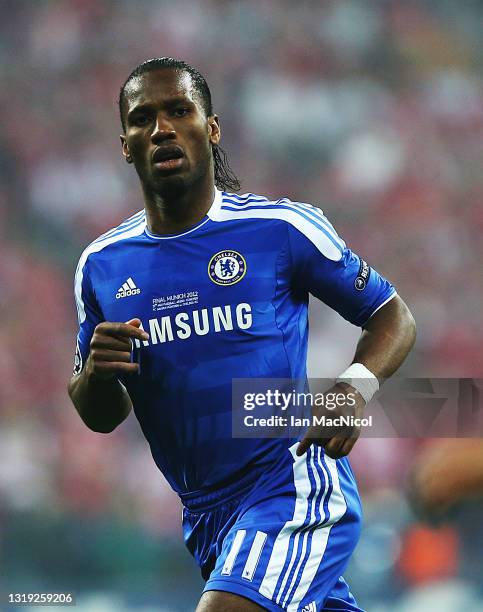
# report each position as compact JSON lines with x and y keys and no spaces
{"x":227,"y":268}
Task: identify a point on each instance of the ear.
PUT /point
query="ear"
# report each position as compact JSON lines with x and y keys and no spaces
{"x":125,"y":149}
{"x":214,"y":130}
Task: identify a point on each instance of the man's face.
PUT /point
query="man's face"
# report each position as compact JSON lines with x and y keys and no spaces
{"x":168,"y":135}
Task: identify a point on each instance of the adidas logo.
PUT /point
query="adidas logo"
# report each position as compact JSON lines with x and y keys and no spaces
{"x":311,"y":607}
{"x":128,"y":288}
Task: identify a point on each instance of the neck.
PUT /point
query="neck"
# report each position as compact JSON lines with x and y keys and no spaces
{"x":171,"y":212}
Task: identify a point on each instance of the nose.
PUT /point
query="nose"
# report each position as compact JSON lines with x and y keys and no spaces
{"x":162,"y":130}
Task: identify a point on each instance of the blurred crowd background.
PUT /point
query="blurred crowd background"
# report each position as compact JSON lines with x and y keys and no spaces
{"x":372,"y":110}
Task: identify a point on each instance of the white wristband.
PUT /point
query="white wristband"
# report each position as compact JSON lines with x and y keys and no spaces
{"x":362,"y":379}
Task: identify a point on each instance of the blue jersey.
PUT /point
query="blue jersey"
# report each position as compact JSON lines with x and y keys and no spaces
{"x":225,"y":299}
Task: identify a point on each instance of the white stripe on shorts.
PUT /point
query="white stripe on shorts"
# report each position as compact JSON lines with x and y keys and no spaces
{"x":337,"y":508}
{"x":232,"y":555}
{"x":316,"y":463}
{"x":280,"y":548}
{"x":254,"y":555}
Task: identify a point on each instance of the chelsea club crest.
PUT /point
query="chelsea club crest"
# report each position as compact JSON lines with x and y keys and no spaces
{"x":227,"y":268}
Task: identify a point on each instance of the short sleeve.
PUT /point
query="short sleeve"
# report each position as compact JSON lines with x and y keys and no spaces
{"x":88,"y":312}
{"x":324,"y":266}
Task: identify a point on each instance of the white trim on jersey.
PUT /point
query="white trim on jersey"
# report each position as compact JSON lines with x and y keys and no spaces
{"x":125,"y":225}
{"x":313,"y":212}
{"x":171,"y":236}
{"x":383,"y":304}
{"x":247,"y":198}
{"x":319,"y":234}
{"x":95,"y":247}
{"x":215,"y":204}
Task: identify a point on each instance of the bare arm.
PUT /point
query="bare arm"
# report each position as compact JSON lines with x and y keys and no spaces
{"x":385,"y":342}
{"x":98,"y":396}
{"x":386,"y":339}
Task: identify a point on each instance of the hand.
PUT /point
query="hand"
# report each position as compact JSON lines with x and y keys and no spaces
{"x":337,"y":442}
{"x":110,"y":349}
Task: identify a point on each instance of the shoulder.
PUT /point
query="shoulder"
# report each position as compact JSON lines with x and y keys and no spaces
{"x":303,"y":218}
{"x":130,"y":228}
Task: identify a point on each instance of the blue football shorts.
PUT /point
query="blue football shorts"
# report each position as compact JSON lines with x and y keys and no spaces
{"x":284,"y":541}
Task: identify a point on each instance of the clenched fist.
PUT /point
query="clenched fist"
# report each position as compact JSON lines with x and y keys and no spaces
{"x":111,"y":348}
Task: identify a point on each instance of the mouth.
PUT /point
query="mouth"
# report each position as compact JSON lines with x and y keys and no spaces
{"x":168,"y":157}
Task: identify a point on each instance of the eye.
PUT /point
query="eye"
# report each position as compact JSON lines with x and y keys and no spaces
{"x":141,"y":119}
{"x":181,"y":111}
